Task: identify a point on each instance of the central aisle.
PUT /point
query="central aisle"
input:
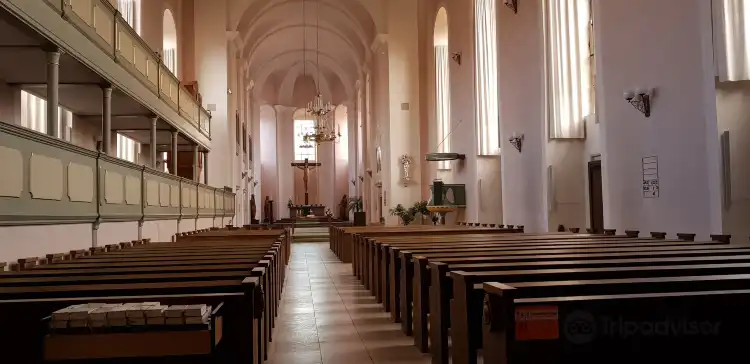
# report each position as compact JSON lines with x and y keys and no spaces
{"x":327,"y":317}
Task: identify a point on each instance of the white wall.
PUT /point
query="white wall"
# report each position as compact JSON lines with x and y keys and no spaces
{"x":268,"y":159}
{"x":404,"y":127}
{"x":520,"y":68}
{"x":637,"y":48}
{"x":733,"y":114}
{"x":212,"y":70}
{"x":38,"y":240}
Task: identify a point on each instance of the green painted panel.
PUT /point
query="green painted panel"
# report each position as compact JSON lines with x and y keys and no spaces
{"x":45,"y":184}
{"x":157,"y":192}
{"x":120,"y":189}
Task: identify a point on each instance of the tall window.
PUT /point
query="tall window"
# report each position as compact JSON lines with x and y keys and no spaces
{"x":34,"y":116}
{"x":131,"y":11}
{"x":128,"y":149}
{"x":170,"y":42}
{"x":442,"y":86}
{"x":304,"y":149}
{"x":733,"y":51}
{"x":568,"y":57}
{"x":485,"y":35}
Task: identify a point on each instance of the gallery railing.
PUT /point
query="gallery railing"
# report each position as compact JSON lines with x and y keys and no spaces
{"x":100,"y":21}
{"x":47,"y":181}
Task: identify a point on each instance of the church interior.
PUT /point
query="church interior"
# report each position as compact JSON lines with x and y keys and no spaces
{"x":374,"y":181}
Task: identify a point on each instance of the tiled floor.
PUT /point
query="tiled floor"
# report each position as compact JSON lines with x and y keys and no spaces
{"x":327,"y":317}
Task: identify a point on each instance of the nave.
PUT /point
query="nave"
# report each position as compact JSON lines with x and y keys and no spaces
{"x":327,"y":317}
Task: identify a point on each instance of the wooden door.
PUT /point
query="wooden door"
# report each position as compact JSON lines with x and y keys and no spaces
{"x":596,"y":202}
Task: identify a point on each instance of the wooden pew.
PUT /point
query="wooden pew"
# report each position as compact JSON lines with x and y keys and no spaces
{"x":361,"y":252}
{"x":397,"y":281}
{"x":382,"y":250}
{"x":465,"y":297}
{"x":343,"y":245}
{"x":185,"y":284}
{"x":718,"y":319}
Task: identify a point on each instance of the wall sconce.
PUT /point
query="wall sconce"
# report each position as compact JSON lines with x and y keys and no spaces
{"x":456,"y":56}
{"x":361,"y":178}
{"x":640,"y":99}
{"x":512,"y":4}
{"x":516,"y":141}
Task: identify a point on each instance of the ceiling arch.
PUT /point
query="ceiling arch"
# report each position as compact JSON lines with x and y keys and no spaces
{"x":286,"y":89}
{"x":271,"y":33}
{"x":282,"y":42}
{"x":289,"y":59}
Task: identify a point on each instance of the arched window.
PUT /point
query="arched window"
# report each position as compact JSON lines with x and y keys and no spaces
{"x":442,"y":86}
{"x":304,"y":125}
{"x":732,"y":39}
{"x":487,"y":110}
{"x":170,"y":42}
{"x":131,"y":12}
{"x":568,"y":54}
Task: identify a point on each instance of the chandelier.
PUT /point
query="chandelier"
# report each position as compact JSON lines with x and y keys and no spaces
{"x":324,"y":129}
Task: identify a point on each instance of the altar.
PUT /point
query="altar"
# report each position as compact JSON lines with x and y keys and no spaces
{"x":302,"y":211}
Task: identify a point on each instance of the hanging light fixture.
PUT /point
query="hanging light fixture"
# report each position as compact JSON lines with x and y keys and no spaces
{"x":324,"y":129}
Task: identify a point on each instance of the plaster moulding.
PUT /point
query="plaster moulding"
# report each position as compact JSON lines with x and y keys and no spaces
{"x":381,"y":40}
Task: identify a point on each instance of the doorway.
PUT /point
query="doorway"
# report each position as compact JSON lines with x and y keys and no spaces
{"x":596,"y":202}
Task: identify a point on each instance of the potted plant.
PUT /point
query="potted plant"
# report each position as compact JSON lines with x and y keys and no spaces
{"x":355,"y":206}
{"x":406,"y":215}
{"x":420,"y":208}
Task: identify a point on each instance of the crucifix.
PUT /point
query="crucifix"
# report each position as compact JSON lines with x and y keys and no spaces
{"x":306,"y":167}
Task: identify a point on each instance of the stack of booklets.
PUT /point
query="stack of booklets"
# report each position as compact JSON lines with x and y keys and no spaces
{"x":128,"y":316}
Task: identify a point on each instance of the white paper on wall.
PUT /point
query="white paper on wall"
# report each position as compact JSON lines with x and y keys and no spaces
{"x":650,"y":166}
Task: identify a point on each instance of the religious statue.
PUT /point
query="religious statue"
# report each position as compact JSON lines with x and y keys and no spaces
{"x":267,"y":210}
{"x":406,"y":165}
{"x":252,"y":208}
{"x":306,"y":167}
{"x":343,"y":208}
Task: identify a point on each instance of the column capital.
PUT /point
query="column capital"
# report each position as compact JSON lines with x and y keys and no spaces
{"x":53,"y":57}
{"x":107,"y":90}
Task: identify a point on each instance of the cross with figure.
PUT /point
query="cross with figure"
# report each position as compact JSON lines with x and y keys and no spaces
{"x":306,"y":167}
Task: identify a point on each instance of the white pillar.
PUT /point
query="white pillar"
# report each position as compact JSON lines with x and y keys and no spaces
{"x":106,"y":120}
{"x":53,"y":90}
{"x":212,"y":73}
{"x":173,"y":168}
{"x":403,"y":132}
{"x":195,"y":163}
{"x":154,"y":120}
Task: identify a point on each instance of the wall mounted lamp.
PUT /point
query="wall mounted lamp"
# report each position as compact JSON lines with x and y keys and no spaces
{"x":516,"y":141}
{"x":512,"y":4}
{"x":456,"y":56}
{"x":640,"y":99}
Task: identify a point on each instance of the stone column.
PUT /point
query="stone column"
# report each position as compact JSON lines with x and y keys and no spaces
{"x":107,"y":119}
{"x":154,"y":120}
{"x":205,"y":168}
{"x":173,"y":168}
{"x":53,"y":91}
{"x":195,"y":163}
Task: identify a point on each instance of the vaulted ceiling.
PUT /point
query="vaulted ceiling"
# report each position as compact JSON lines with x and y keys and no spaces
{"x":283,"y":41}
